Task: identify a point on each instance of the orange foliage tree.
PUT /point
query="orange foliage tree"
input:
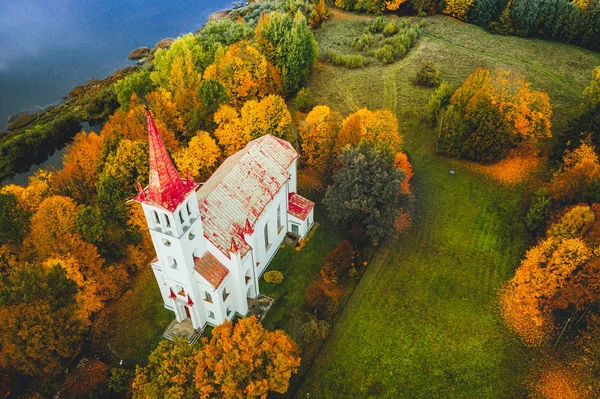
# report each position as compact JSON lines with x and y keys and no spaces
{"x":77,"y":179}
{"x":245,"y":361}
{"x":401,"y":162}
{"x":245,"y":73}
{"x":37,"y":189}
{"x":544,"y":273}
{"x":580,"y":168}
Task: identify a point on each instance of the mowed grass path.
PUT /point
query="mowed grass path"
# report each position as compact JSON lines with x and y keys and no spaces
{"x":423,"y":321}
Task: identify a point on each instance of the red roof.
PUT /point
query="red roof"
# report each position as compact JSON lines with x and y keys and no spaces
{"x":298,"y":206}
{"x":236,"y":195}
{"x":166,"y":188}
{"x":211,"y":269}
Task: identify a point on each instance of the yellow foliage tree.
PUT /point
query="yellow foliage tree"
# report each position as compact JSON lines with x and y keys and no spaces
{"x":53,"y":221}
{"x":256,"y":118}
{"x":458,"y":8}
{"x":318,"y":133}
{"x":38,"y":188}
{"x":245,"y":73}
{"x":200,"y":157}
{"x":380,"y":127}
{"x":128,"y":164}
{"x":393,"y":5}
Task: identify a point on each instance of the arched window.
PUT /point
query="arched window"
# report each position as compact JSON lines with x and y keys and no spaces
{"x":167,"y":220}
{"x":191,"y":235}
{"x":156,"y":218}
{"x":172,"y":262}
{"x":279,"y":218}
{"x":187,"y":207}
{"x":211,"y":314}
{"x":266,"y":236}
{"x":166,"y":242}
{"x":181,"y":217}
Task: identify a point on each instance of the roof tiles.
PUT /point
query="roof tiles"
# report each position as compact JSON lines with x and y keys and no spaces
{"x":235,"y":196}
{"x":211,"y":269}
{"x":298,"y":206}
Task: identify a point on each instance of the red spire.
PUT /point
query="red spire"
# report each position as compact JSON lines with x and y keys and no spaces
{"x":171,"y":294}
{"x":165,"y":187}
{"x":189,"y":302}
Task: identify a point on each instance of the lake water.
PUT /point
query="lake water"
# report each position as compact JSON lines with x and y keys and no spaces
{"x":49,"y":46}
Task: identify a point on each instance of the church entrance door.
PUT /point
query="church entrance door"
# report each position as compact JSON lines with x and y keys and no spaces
{"x":187,"y":312}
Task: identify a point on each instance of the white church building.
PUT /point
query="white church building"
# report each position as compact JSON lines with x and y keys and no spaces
{"x":213,"y":241}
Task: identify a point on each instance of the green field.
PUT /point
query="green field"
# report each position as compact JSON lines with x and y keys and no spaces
{"x":423,"y":321}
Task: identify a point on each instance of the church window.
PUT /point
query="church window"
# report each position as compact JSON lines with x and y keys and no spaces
{"x":173,"y":262}
{"x":181,"y":217}
{"x":156,"y":219}
{"x":187,"y":207}
{"x":267,"y":237}
{"x":211,"y":314}
{"x":191,"y":235}
{"x":207,"y":297}
{"x":279,"y":226}
{"x":167,"y":221}
{"x":225,"y":294}
{"x":166,"y":242}
{"x":228,"y":310}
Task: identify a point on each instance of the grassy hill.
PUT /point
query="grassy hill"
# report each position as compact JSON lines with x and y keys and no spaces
{"x":423,"y":321}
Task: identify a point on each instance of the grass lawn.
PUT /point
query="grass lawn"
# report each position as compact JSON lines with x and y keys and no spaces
{"x":300,"y":268}
{"x":423,"y":321}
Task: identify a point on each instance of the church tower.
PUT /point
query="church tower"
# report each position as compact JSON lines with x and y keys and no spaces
{"x":173,"y":217}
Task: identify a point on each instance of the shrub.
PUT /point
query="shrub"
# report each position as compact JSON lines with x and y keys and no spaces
{"x":378,"y":25}
{"x":390,"y":29}
{"x":538,"y":212}
{"x":428,"y":75}
{"x":364,"y":41}
{"x":274,"y":277}
{"x":438,"y":102}
{"x":385,"y":54}
{"x":340,"y":259}
{"x":348,"y":61}
{"x":304,"y":99}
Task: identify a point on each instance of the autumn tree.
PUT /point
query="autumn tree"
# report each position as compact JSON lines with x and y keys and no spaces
{"x":289,"y":44}
{"x":580,"y":169}
{"x":401,"y":162}
{"x":13,"y":219}
{"x":307,"y":331}
{"x":165,"y":59}
{"x":128,"y":164}
{"x":169,"y":373}
{"x":200,"y":157}
{"x":138,"y":83}
{"x":365,"y":190}
{"x":245,"y":73}
{"x":38,"y":188}
{"x":538,"y":286}
{"x":256,"y":118}
{"x":490,"y":113}
{"x":318,"y":133}
{"x":323,"y":296}
{"x":38,"y":333}
{"x":458,"y":8}
{"x":212,"y":94}
{"x":54,"y":220}
{"x":77,"y":179}
{"x":341,"y":259}
{"x":245,"y":361}
{"x":378,"y":127}
{"x":587,"y":122}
